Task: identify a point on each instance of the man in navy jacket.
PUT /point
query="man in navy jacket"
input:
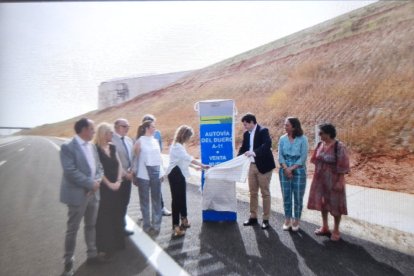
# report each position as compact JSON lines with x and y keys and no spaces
{"x":257,"y":144}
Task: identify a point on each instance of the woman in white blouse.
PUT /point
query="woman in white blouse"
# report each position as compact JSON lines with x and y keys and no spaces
{"x":149,"y":172}
{"x":177,"y":171}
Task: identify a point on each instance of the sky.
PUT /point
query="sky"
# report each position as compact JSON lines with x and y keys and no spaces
{"x":53,"y":56}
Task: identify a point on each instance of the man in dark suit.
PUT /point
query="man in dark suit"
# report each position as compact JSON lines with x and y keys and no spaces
{"x":82,"y":174}
{"x":124,"y":146}
{"x":257,"y":144}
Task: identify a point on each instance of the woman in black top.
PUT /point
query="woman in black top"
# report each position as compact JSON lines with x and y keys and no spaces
{"x":109,"y":224}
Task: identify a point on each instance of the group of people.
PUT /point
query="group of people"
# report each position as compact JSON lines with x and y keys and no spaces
{"x":327,"y":192}
{"x":97,"y":178}
{"x":96,"y":186}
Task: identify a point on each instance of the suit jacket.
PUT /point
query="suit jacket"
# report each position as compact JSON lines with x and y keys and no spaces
{"x":262,"y":147}
{"x":76,"y":180}
{"x":122,"y":153}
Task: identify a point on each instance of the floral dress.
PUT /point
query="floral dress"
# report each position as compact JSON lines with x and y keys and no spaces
{"x":327,"y":192}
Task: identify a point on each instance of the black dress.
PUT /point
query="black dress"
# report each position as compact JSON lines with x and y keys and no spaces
{"x":109,"y":224}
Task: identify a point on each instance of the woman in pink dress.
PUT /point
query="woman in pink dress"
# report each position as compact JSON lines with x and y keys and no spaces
{"x":327,"y":192}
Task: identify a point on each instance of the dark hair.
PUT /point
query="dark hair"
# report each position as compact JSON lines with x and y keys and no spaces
{"x":297,"y":127}
{"x":80,"y":124}
{"x":249,"y":117}
{"x":148,"y":117}
{"x":143,"y":127}
{"x":328,"y":129}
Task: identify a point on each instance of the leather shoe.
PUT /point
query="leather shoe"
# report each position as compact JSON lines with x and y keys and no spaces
{"x":68,"y":269}
{"x":250,"y":222}
{"x":265,"y":224}
{"x":128,"y":233}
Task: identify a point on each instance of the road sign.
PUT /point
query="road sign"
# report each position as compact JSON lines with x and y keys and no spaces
{"x":216,"y":143}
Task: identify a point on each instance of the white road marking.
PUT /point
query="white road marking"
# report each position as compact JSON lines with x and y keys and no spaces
{"x":61,"y":138}
{"x":2,"y":162}
{"x":22,"y":149}
{"x":54,"y":145}
{"x":161,"y":261}
{"x":10,"y":143}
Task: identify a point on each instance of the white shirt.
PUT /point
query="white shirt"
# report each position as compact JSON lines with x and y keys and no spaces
{"x":179,"y":157}
{"x":150,"y":155}
{"x":252,"y":137}
{"x":87,"y":149}
{"x":251,"y":140}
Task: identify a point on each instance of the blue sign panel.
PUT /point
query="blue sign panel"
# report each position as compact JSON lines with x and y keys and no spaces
{"x":216,"y":143}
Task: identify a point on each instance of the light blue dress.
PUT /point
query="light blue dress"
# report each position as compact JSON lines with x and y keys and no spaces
{"x":293,"y":153}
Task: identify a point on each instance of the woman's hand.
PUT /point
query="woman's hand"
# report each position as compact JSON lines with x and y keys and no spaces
{"x":115,"y":186}
{"x":288,"y":172}
{"x":339,"y":185}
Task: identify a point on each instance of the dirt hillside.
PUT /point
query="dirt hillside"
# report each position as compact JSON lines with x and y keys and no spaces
{"x":355,"y":71}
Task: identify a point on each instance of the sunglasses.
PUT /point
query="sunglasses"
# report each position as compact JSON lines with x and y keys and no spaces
{"x":124,"y":126}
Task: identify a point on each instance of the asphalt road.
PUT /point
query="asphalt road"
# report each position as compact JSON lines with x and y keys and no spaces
{"x":232,"y":249}
{"x":32,"y":223}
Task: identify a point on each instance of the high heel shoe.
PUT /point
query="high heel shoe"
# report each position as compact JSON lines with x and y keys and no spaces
{"x":184,"y":223}
{"x":178,"y":231}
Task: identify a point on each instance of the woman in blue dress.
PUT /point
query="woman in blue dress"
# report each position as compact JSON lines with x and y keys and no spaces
{"x":293,"y":152}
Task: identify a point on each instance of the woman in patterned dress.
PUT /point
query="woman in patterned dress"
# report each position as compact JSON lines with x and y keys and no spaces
{"x":327,"y":192}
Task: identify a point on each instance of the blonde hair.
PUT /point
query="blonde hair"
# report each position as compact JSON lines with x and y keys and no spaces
{"x":183,"y":134}
{"x":143,"y":127}
{"x":102,"y":130}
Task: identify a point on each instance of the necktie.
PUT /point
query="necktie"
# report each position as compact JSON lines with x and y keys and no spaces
{"x":126,"y":150}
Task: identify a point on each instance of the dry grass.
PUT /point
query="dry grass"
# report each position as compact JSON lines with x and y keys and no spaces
{"x":362,"y":82}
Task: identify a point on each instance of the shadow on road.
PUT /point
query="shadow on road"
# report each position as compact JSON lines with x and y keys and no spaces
{"x":127,"y":262}
{"x":275,"y":258}
{"x":225,"y":242}
{"x":338,"y":258}
{"x":222,"y":240}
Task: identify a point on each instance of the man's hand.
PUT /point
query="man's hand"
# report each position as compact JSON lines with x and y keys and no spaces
{"x":96,"y":185}
{"x":128,"y":176}
{"x":250,"y":154}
